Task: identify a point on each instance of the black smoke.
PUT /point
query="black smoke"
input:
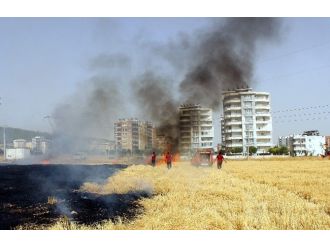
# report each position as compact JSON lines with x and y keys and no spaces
{"x":217,"y":58}
{"x":221,"y":58}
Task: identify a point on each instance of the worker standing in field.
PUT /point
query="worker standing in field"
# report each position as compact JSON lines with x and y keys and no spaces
{"x":219,"y":160}
{"x":168,"y":160}
{"x":153,"y":159}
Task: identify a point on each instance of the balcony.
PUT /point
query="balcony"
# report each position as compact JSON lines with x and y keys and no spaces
{"x":263,"y":114}
{"x":232,"y":100}
{"x":232,"y":145}
{"x":232,"y":108}
{"x":261,"y":99}
{"x":257,"y":106}
{"x":233,"y":138}
{"x":264,"y":144}
{"x":233,"y":116}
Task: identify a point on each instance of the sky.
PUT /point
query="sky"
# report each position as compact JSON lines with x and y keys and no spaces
{"x":44,"y":61}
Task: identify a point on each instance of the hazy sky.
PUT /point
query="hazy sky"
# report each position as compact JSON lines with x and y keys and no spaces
{"x":44,"y":60}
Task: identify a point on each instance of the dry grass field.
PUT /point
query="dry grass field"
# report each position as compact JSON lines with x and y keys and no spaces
{"x":253,"y":194}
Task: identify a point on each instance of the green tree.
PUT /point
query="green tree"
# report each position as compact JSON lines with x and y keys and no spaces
{"x":283,"y":150}
{"x":252,"y":150}
{"x":278,"y":150}
{"x":236,"y":150}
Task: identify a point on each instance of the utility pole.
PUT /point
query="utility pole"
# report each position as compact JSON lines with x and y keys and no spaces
{"x":4,"y":138}
{"x":4,"y":142}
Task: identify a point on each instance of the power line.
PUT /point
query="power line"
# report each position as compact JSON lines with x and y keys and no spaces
{"x":303,"y":114}
{"x":325,"y":66}
{"x":300,"y":120}
{"x":301,"y":108}
{"x":296,"y":51}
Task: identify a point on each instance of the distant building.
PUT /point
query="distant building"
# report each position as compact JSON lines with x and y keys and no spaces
{"x":101,"y":146}
{"x":39,"y":145}
{"x":309,"y":143}
{"x":133,"y":134}
{"x":196,"y":128}
{"x":17,"y":153}
{"x":19,"y":143}
{"x":246,"y":120}
{"x":327,"y":143}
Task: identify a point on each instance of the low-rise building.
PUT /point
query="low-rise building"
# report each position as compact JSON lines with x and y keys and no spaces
{"x":19,"y":143}
{"x":309,"y":143}
{"x":40,"y":145}
{"x":327,"y":143}
{"x":17,"y":153}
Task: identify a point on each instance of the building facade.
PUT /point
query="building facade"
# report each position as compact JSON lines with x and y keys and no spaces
{"x":246,"y":120}
{"x":308,"y":143}
{"x":133,"y":135}
{"x":327,"y":143}
{"x":19,"y":143}
{"x":196,"y":128}
{"x":39,"y":145}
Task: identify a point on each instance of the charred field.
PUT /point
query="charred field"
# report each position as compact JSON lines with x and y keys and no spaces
{"x":36,"y":196}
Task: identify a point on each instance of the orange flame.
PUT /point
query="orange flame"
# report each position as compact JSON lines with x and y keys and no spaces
{"x":45,"y":162}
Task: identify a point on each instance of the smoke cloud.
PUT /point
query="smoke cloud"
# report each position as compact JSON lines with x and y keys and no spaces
{"x":225,"y":58}
{"x":215,"y":59}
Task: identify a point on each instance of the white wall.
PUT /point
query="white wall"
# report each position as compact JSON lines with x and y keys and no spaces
{"x":17,"y":153}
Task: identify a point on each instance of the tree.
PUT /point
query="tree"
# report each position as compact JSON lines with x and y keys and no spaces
{"x":236,"y":150}
{"x":278,"y":150}
{"x":252,"y":150}
{"x":283,"y":150}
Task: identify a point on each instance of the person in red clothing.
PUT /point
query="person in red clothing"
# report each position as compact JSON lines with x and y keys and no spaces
{"x":219,"y":159}
{"x":153,"y":159}
{"x":168,"y":160}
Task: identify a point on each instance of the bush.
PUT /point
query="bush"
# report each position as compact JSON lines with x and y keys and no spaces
{"x":252,"y":150}
{"x":236,"y":150}
{"x":278,"y":150}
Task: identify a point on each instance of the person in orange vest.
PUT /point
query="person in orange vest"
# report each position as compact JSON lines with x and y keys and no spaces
{"x":153,"y":159}
{"x":168,"y":160}
{"x":219,"y":160}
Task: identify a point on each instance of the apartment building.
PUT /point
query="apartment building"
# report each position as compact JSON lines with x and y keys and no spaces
{"x":133,"y":134}
{"x":196,"y":128}
{"x":246,"y":120}
{"x":308,"y":143}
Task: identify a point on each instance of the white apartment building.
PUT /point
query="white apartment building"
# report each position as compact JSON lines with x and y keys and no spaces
{"x":301,"y":145}
{"x":246,"y":120}
{"x":196,"y":128}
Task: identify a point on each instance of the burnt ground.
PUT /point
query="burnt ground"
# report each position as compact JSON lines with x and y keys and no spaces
{"x":26,"y":193}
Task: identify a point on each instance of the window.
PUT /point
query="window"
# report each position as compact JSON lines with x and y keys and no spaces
{"x":249,"y":126}
{"x":248,"y":104}
{"x":249,"y":119}
{"x":248,"y":111}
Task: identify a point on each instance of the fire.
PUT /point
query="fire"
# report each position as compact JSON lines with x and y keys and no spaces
{"x":161,"y":160}
{"x":45,"y":162}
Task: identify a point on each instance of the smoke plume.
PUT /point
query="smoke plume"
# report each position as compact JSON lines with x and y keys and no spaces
{"x":225,"y":58}
{"x":218,"y":58}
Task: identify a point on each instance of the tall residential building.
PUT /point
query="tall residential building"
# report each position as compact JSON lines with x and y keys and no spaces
{"x":246,"y":120}
{"x":196,"y":128}
{"x":133,"y":134}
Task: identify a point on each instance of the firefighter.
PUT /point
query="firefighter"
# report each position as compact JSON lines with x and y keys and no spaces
{"x":219,"y":160}
{"x":153,"y":159}
{"x":168,"y":159}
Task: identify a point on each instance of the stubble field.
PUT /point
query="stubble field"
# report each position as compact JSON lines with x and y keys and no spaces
{"x":253,"y":194}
